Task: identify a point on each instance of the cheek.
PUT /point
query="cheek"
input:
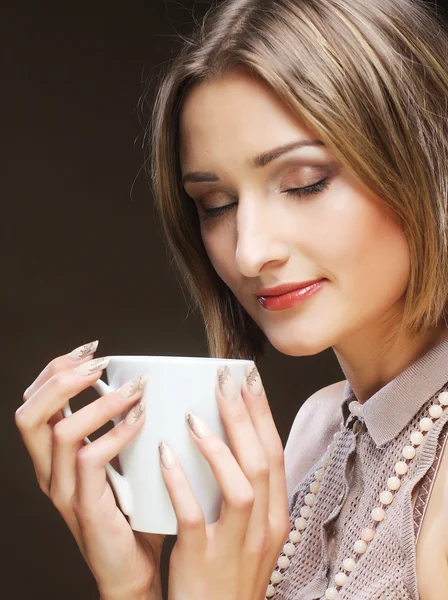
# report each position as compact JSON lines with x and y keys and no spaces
{"x":220,"y":247}
{"x":368,"y":252}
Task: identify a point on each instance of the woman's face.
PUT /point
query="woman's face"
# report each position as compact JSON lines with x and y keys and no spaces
{"x":267,"y":237}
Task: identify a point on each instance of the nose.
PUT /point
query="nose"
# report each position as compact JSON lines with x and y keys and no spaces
{"x":259,"y":239}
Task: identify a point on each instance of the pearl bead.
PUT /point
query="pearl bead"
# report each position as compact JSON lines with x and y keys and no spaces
{"x":401,"y":468}
{"x":349,"y":564}
{"x":305,"y":511}
{"x":360,"y":546}
{"x":289,"y":549}
{"x":340,"y":578}
{"x":408,"y":452}
{"x":315,"y":487}
{"x":378,"y":513}
{"x":436,"y":411}
{"x":276,"y":576}
{"x":320,"y":474}
{"x":386,"y":497}
{"x":417,"y":438}
{"x":283,"y":562}
{"x":310,"y":499}
{"x":443,"y":398}
{"x":367,"y":534}
{"x":393,"y":483}
{"x":355,"y":408}
{"x":426,"y":424}
{"x":295,"y":536}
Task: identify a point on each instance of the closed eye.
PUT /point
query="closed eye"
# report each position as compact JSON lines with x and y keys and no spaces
{"x":309,"y":190}
{"x":315,"y":188}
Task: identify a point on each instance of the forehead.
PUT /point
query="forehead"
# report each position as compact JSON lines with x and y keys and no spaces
{"x":234,"y":118}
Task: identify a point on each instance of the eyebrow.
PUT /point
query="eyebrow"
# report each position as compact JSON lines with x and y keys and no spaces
{"x":258,"y":161}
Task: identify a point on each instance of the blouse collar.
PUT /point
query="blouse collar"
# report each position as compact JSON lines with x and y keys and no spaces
{"x":391,"y":408}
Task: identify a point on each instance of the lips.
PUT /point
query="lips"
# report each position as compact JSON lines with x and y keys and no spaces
{"x":285,"y":288}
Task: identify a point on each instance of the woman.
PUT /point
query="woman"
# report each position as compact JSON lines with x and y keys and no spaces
{"x":304,"y":143}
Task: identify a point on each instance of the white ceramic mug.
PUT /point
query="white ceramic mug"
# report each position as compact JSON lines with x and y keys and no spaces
{"x":175,"y":384}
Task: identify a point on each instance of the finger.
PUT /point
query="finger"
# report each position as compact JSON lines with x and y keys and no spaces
{"x":66,"y":361}
{"x":68,"y":435}
{"x":65,"y":384}
{"x":238,"y":495}
{"x":257,"y":404}
{"x":92,"y":459}
{"x":248,"y":451}
{"x":191,"y":533}
{"x":32,"y":418}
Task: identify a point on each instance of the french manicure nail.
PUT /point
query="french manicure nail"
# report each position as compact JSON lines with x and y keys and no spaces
{"x":83,"y":351}
{"x":135,"y":413}
{"x":92,"y":366}
{"x":253,"y":380}
{"x":133,"y":386}
{"x":168,"y":457}
{"x":227,"y":384}
{"x":197,"y":426}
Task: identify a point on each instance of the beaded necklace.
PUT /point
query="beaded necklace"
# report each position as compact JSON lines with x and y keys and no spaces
{"x":378,"y":513}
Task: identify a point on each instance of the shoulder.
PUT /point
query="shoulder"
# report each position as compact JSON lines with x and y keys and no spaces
{"x":317,"y":420}
{"x":432,"y":544}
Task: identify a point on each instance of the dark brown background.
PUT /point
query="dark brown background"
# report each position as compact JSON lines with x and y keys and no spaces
{"x":82,"y":258}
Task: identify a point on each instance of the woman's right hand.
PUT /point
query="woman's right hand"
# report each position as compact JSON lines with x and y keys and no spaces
{"x":125,"y":563}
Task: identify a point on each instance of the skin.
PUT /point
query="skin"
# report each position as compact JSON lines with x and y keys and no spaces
{"x":229,"y":559}
{"x":344,"y":233}
{"x":72,"y":474}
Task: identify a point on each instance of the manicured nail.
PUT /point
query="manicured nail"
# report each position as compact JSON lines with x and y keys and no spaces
{"x":169,"y":459}
{"x":135,"y":413}
{"x":253,"y":380}
{"x":133,"y":386}
{"x":83,"y":351}
{"x":197,"y":426}
{"x":226,"y":384}
{"x":92,"y":366}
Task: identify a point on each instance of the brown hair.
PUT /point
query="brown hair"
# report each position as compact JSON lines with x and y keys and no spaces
{"x":370,"y":77}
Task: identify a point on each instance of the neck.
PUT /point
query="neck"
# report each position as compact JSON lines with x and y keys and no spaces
{"x":369,"y":360}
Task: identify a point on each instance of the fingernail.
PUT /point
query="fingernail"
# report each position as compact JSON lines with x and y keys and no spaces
{"x":135,"y":413}
{"x":133,"y":386}
{"x":92,"y":366}
{"x":226,"y":384}
{"x":83,"y":351}
{"x":167,"y":456}
{"x":197,"y":426}
{"x":253,"y":380}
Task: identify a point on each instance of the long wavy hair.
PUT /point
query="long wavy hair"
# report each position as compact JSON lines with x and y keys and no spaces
{"x":371,"y":78}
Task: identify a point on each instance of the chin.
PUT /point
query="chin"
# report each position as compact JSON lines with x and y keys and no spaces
{"x":296,"y":343}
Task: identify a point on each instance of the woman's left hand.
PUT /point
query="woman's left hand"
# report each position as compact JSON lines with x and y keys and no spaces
{"x":233,"y":558}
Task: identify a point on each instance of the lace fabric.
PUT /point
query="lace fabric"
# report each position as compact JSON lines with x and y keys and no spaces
{"x":357,"y":472}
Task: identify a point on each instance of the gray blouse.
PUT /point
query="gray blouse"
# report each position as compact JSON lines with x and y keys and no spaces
{"x":363,"y":459}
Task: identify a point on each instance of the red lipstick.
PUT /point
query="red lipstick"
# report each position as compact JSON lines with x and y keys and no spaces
{"x":288,"y":295}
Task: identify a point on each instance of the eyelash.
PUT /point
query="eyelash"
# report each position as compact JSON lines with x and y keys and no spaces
{"x":309,"y":190}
